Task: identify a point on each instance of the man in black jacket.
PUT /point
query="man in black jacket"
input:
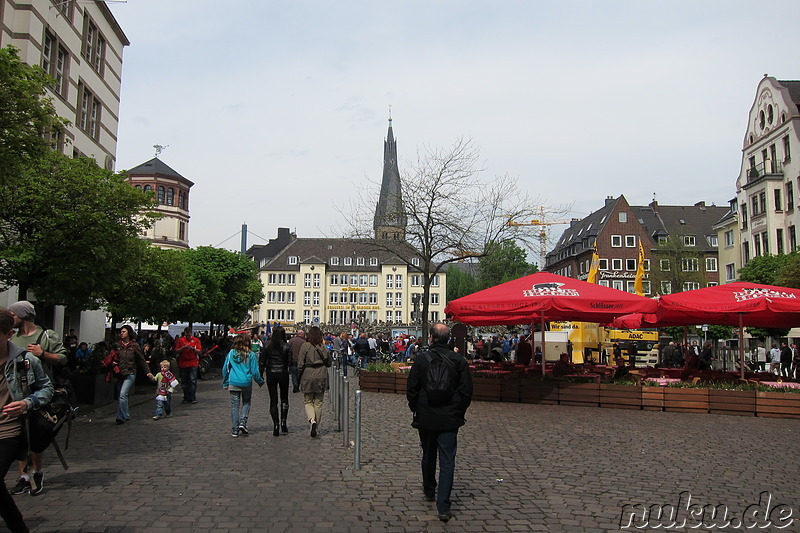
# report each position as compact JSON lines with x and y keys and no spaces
{"x":438,"y":425}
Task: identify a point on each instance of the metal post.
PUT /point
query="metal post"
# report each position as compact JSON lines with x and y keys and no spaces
{"x":334,"y":378}
{"x":338,"y":401}
{"x":357,"y":433}
{"x":345,"y":416}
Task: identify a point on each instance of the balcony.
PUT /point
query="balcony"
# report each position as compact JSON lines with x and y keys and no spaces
{"x":765,"y":169}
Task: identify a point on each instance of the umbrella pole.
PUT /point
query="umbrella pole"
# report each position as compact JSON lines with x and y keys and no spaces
{"x":741,"y":344}
{"x":544,"y":357}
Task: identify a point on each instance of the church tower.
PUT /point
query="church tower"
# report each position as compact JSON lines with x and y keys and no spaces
{"x":390,"y":214}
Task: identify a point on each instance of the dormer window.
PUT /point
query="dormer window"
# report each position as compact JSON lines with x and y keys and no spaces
{"x":334,"y":261}
{"x":348,"y":261}
{"x":373,"y":261}
{"x":293,"y":259}
{"x":689,"y":240}
{"x":415,"y":261}
{"x":360,"y":261}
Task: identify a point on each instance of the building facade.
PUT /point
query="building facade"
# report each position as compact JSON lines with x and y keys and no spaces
{"x":728,"y":236}
{"x":769,"y":178}
{"x":171,"y":192}
{"x":680,"y":245}
{"x":80,"y":45}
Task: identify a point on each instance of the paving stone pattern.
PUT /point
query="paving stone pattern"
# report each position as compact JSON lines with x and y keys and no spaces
{"x":519,"y":467}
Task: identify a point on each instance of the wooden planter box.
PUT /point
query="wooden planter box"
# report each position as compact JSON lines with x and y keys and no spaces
{"x":732,"y":402}
{"x":653,"y":398}
{"x":401,"y":382}
{"x":369,"y":381}
{"x":386,"y":381}
{"x":580,"y":394}
{"x":677,"y":400}
{"x":486,"y":389}
{"x":778,"y":404}
{"x":621,"y":396}
{"x":510,"y":389}
{"x":535,"y":391}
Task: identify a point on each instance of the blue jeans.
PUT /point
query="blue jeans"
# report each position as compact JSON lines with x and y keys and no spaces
{"x":189,"y":383}
{"x":122,"y":408}
{"x":239,"y":414}
{"x":164,"y":406}
{"x":443,"y":443}
{"x":295,"y":379}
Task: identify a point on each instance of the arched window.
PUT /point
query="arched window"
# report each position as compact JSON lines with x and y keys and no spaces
{"x":170,"y":196}
{"x":139,"y":187}
{"x":148,"y":188}
{"x":180,"y":198}
{"x":186,"y":201}
{"x":161,"y":194}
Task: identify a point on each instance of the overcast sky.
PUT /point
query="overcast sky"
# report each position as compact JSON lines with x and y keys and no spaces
{"x":277,"y":111}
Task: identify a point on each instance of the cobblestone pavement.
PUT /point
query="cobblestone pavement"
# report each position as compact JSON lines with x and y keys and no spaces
{"x":519,"y":468}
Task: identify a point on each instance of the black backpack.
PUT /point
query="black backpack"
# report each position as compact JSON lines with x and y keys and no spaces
{"x":440,"y":379}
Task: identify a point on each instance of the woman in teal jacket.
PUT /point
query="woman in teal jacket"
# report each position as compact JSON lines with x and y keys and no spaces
{"x":238,"y":373}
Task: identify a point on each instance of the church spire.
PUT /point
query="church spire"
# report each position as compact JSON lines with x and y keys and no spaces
{"x":390,"y":214}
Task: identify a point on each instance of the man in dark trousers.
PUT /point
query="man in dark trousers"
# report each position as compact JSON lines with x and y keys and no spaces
{"x":438,"y":424}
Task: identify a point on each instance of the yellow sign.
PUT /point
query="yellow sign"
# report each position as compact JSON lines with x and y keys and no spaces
{"x":353,"y":289}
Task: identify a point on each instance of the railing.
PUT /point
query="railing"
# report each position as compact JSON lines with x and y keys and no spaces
{"x":765,"y":168}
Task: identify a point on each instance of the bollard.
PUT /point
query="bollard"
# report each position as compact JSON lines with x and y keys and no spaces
{"x":333,"y":374}
{"x":346,"y":412}
{"x":338,"y":400}
{"x":357,"y":433}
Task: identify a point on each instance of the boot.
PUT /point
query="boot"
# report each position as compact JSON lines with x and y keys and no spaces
{"x":284,"y":414}
{"x":276,"y":432}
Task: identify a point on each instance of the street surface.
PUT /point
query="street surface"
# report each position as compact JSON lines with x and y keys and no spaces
{"x":519,"y":467}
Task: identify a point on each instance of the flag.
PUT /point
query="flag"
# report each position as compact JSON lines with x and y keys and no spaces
{"x":594,"y":266}
{"x":637,"y":285}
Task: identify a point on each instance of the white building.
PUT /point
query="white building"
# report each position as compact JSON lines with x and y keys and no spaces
{"x":769,"y":179}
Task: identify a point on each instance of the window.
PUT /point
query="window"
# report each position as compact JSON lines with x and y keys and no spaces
{"x":777,"y":200}
{"x":348,"y":261}
{"x":435,"y":281}
{"x":362,"y":298}
{"x":94,"y":45}
{"x":663,"y":239}
{"x":89,"y":114}
{"x":434,"y":298}
{"x":689,"y":240}
{"x":281,"y":297}
{"x":730,"y":272}
{"x":712,"y":240}
{"x":54,"y":62}
{"x":623,"y":216}
{"x":757,"y":245}
{"x":398,"y":281}
{"x":292,"y":279}
{"x":271,"y":279}
{"x":271,"y":314}
{"x":389,"y":299}
{"x":616,"y":241}
{"x":398,"y":316}
{"x":180,"y":199}
{"x":666,"y":287}
{"x":415,"y":261}
{"x":647,"y":265}
{"x":630,"y":286}
{"x":389,"y":316}
{"x":307,"y":298}
{"x":373,"y":298}
{"x":645,"y":287}
{"x":792,"y":239}
{"x":664,"y":265}
{"x":603,"y":264}
{"x":290,"y":315}
{"x":362,"y":280}
{"x":353,"y":297}
{"x":617,"y":284}
{"x":182,"y":231}
{"x":711,"y":264}
{"x":789,"y":196}
{"x":754,"y":202}
{"x":762,"y":200}
{"x":398,"y":299}
{"x":307,"y":280}
{"x":316,"y":297}
{"x":334,"y":261}
{"x":690,"y":285}
{"x":271,"y":297}
{"x":779,"y":241}
{"x":389,"y":281}
{"x":290,"y":297}
{"x":353,"y":280}
{"x":630,"y":241}
{"x":170,"y":196}
{"x":603,"y":282}
{"x":160,"y":194}
{"x":728,"y":236}
{"x":690,"y":264}
{"x":765,"y":243}
{"x":293,"y":259}
{"x":334,"y":279}
{"x":630,"y":264}
{"x":281,"y":279}
{"x":332,"y":317}
{"x":373,"y":261}
{"x":373,"y":280}
{"x":360,"y":261}
{"x":334,"y":298}
{"x":434,"y":316}
{"x":616,"y":264}
{"x":787,"y":153}
{"x":317,"y":279}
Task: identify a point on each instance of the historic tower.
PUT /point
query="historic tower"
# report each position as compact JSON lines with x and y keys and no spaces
{"x":390,"y":214}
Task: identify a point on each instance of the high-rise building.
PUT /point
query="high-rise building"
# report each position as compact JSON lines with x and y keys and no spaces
{"x":80,"y":45}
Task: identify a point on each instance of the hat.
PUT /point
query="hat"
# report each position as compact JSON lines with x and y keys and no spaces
{"x":23,"y":309}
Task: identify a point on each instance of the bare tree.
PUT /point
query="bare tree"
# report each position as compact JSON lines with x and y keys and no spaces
{"x":452,"y":213}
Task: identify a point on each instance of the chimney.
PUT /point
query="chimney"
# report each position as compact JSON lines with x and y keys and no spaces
{"x":609,"y":200}
{"x":700,"y":204}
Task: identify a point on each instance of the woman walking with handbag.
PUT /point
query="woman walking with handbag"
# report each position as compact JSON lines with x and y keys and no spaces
{"x":275,"y":358}
{"x":238,"y":372}
{"x":312,"y":366}
{"x":130,"y":357}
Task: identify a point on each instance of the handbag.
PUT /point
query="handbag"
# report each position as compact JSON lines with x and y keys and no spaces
{"x":111,"y":363}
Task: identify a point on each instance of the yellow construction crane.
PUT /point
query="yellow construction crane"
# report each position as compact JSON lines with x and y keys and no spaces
{"x":544,"y":225}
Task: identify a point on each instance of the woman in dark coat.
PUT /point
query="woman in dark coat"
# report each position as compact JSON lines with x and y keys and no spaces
{"x":275,"y":358}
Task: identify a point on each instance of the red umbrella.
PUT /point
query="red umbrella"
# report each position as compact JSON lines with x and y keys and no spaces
{"x":544,"y":295}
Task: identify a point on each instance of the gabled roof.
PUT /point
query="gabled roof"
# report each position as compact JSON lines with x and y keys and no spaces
{"x":156,"y":167}
{"x":687,"y":220}
{"x":586,"y":230}
{"x":321,"y":250}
